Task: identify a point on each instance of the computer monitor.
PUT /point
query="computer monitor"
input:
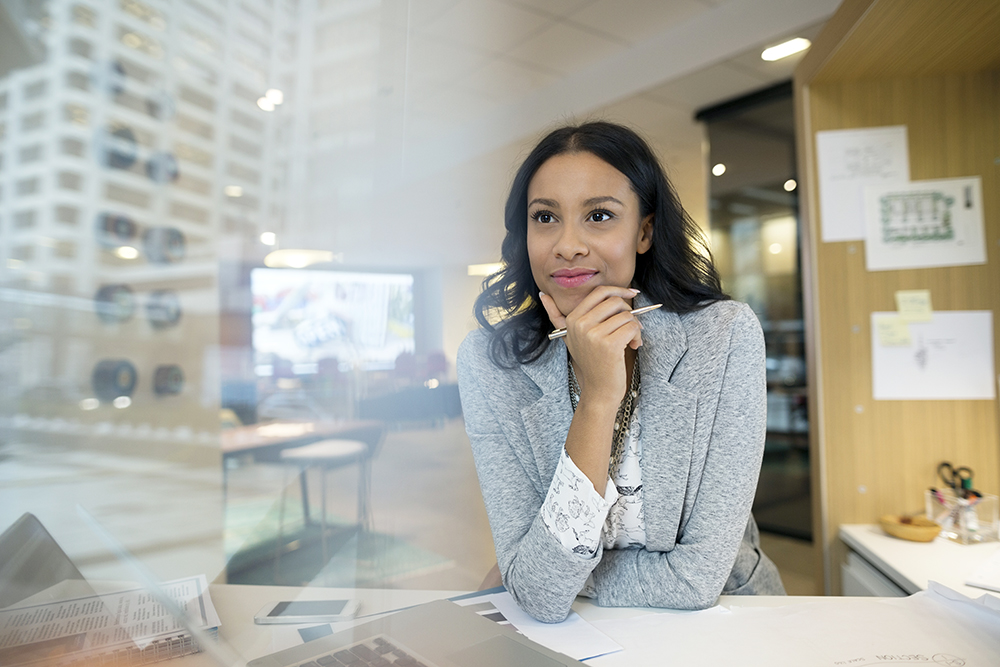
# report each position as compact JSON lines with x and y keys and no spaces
{"x":303,"y":316}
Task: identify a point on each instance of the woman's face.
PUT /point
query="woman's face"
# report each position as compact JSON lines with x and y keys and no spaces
{"x":584,"y":228}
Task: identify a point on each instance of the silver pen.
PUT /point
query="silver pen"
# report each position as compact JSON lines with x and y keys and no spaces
{"x":560,"y":333}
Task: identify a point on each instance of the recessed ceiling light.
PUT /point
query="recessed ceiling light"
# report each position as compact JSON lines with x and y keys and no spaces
{"x":297,"y":259}
{"x":785,"y":49}
{"x":268,"y":238}
{"x":275,"y":95}
{"x":790,"y":185}
{"x":719,"y":169}
{"x":265,"y":104}
{"x":484,"y":269}
{"x":126,"y":252}
{"x":233,"y":190}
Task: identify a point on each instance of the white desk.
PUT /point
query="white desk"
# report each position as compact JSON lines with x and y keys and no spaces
{"x":910,"y":565}
{"x":238,"y":604}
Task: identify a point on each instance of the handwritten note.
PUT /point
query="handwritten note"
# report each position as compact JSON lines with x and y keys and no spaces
{"x":914,"y":305}
{"x":847,"y":161}
{"x":893,"y":331}
{"x":950,"y":358}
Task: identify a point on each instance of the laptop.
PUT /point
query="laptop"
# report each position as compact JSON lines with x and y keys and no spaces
{"x":436,"y":634}
{"x":31,"y":561}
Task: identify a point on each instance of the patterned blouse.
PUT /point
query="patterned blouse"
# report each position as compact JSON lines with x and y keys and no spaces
{"x":582,"y":520}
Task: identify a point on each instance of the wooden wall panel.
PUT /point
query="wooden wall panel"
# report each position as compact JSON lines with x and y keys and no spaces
{"x":879,"y":456}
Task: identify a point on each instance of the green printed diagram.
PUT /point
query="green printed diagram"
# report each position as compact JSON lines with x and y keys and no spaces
{"x":916,"y":216}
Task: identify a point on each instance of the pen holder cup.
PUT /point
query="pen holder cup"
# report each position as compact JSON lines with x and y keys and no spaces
{"x":964,"y":521}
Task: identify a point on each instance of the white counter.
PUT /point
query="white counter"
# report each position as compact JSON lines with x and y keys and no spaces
{"x":910,"y":565}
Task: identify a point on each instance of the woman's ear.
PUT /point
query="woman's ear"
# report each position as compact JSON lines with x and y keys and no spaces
{"x":645,"y":235}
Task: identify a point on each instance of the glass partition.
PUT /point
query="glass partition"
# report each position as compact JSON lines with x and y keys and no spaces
{"x":755,"y":239}
{"x":210,"y":257}
{"x":237,"y":247}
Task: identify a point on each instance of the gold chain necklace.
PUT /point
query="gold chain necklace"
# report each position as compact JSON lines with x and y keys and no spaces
{"x":623,"y":420}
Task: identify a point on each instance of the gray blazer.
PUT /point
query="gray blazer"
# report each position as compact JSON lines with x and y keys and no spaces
{"x":703,"y":374}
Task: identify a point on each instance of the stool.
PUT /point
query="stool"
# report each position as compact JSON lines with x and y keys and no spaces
{"x":328,"y":455}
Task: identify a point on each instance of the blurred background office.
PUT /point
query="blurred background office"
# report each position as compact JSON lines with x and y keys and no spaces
{"x":234,"y":228}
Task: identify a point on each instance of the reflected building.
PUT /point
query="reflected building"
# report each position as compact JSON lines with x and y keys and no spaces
{"x":129,"y":152}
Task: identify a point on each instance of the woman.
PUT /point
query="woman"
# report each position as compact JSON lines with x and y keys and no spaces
{"x":619,"y":462}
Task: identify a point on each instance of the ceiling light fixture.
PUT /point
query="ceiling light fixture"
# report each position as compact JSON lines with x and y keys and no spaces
{"x":126,"y":252}
{"x":297,"y":258}
{"x":790,"y":185}
{"x":484,"y":269}
{"x":268,"y":238}
{"x":785,"y":49}
{"x":719,"y":169}
{"x":275,"y":95}
{"x":265,"y":104}
{"x":233,"y":191}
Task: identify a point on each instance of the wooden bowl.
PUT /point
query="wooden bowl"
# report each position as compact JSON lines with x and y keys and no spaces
{"x":913,"y":528}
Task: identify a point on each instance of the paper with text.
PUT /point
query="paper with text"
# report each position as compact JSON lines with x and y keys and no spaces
{"x":949,"y":357}
{"x":848,"y":160}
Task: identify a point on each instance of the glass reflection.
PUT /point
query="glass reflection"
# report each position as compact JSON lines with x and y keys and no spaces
{"x":152,"y":153}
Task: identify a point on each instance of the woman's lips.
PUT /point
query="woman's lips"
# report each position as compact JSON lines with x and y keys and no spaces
{"x":570,"y":278}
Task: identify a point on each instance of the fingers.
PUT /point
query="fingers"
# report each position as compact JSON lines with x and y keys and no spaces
{"x":548,"y":303}
{"x":602,"y":294}
{"x":621,"y":330}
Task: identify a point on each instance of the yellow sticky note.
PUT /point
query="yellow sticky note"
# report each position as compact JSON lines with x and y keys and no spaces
{"x":892,"y":331}
{"x":914,"y":305}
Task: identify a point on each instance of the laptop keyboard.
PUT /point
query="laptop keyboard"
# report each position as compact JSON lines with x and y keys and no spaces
{"x":374,"y":652}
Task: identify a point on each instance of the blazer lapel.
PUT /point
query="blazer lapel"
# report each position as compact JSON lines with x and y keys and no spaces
{"x":668,"y":420}
{"x":546,"y":421}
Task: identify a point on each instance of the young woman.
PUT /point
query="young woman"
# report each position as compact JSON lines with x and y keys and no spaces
{"x":619,"y":462}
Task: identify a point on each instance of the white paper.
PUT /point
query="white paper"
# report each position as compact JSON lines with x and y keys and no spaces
{"x":848,"y":160}
{"x":859,"y":632}
{"x":987,"y":575}
{"x":948,"y":358}
{"x":924,"y":224}
{"x":96,"y":624}
{"x":574,"y":637}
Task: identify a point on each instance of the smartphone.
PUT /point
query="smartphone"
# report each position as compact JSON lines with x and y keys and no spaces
{"x":306,"y":611}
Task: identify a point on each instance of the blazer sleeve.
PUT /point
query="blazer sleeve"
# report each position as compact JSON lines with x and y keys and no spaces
{"x":693,"y":573}
{"x":541,"y":575}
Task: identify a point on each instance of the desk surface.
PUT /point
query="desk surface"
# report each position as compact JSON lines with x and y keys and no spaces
{"x":912,"y":564}
{"x":280,"y":434}
{"x":237,"y":605}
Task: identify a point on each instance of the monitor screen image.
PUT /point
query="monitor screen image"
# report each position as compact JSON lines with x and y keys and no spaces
{"x":363,"y":320}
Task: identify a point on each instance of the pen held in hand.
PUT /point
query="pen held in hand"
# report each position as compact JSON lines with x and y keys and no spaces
{"x":560,"y":333}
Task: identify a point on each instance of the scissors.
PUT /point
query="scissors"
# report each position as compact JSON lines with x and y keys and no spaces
{"x":959,"y":479}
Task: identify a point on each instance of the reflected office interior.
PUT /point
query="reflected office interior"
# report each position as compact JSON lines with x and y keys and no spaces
{"x":235,"y":249}
{"x":755,"y":228}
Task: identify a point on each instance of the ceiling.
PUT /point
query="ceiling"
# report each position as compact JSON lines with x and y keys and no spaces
{"x":483,"y":79}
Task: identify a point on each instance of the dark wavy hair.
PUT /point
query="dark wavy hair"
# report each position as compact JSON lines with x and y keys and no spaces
{"x":676,"y":271}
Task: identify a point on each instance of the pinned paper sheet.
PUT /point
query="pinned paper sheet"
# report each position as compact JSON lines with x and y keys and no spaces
{"x":847,"y":161}
{"x":924,"y":224}
{"x":914,"y":305}
{"x":893,"y":331}
{"x":949,"y":357}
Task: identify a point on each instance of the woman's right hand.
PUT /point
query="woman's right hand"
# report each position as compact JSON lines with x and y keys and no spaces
{"x":598,"y":331}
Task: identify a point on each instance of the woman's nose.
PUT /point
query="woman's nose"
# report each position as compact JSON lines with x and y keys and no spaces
{"x":570,"y":243}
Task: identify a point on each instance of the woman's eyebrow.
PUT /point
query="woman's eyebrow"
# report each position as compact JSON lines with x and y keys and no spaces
{"x":544,"y":202}
{"x":593,"y":201}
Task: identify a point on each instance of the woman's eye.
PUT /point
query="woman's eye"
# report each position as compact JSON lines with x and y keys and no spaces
{"x":543,"y":217}
{"x":600,"y":216}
